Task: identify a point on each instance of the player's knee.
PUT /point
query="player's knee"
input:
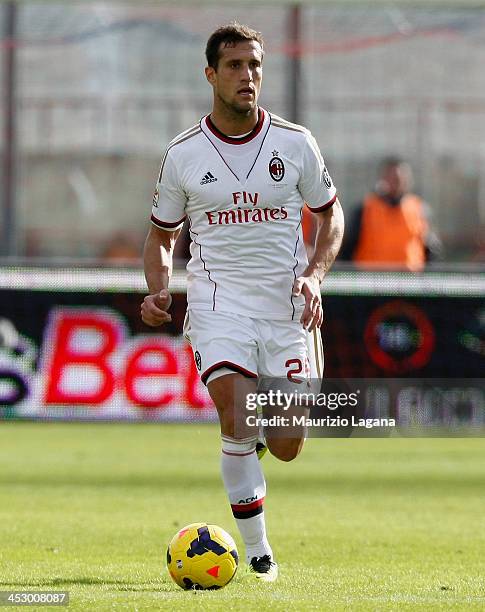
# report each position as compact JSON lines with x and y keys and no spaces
{"x":287,"y":455}
{"x":286,"y":450}
{"x":291,"y":453}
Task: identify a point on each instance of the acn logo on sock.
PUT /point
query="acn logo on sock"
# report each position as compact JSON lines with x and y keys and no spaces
{"x":248,"y":500}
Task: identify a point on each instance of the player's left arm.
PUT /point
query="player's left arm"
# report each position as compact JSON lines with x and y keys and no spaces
{"x":317,"y":189}
{"x":330,"y":231}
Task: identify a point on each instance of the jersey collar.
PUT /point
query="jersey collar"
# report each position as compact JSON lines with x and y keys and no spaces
{"x":234,"y":139}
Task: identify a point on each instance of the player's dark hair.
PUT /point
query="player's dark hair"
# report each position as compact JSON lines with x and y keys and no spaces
{"x":229,"y":35}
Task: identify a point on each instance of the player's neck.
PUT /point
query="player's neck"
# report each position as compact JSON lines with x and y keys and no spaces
{"x":234,"y":124}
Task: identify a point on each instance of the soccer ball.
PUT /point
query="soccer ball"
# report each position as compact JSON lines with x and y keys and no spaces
{"x":202,"y":556}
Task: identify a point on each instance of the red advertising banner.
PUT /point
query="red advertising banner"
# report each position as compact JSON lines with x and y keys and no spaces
{"x":89,"y":366}
{"x":73,"y":346}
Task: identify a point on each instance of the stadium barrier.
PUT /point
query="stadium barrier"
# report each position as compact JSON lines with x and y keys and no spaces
{"x":72,"y":345}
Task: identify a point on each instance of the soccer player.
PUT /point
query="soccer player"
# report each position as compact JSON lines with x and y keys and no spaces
{"x":241,"y":176}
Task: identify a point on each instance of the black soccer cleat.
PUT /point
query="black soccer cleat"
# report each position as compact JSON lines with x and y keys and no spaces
{"x":264,"y":568}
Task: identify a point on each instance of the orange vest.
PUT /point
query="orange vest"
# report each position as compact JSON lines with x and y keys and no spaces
{"x":392,"y":236}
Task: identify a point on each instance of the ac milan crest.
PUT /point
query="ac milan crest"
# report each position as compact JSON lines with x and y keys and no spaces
{"x":276,"y":167}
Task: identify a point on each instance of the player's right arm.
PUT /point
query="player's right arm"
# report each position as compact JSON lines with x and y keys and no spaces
{"x":168,"y":214}
{"x":157,"y":260}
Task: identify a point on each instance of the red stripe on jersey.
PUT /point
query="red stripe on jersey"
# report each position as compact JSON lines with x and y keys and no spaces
{"x":234,"y":139}
{"x":165,"y":224}
{"x":325,"y":206}
{"x":226,"y":364}
{"x":248,"y":507}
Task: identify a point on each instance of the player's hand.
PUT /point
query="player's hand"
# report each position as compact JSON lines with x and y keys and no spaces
{"x":154,"y":308}
{"x":313,"y":312}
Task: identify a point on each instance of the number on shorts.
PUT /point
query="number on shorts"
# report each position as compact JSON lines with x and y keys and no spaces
{"x":297,"y":369}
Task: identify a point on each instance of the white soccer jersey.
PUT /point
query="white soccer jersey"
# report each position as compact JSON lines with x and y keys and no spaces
{"x":243,"y":198}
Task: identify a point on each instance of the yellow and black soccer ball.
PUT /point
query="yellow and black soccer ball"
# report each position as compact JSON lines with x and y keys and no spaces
{"x":202,"y":556}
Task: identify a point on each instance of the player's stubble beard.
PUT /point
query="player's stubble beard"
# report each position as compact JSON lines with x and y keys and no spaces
{"x":236,"y":112}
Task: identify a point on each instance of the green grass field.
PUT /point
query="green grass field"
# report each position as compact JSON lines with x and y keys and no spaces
{"x":356,"y":524}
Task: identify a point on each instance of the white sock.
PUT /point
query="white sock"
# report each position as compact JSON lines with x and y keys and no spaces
{"x":246,"y":489}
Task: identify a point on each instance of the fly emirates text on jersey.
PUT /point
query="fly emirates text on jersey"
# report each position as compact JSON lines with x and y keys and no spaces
{"x":245,"y":215}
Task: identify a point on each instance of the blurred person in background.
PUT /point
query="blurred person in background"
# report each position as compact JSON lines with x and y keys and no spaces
{"x":391,"y":227}
{"x":121,"y":249}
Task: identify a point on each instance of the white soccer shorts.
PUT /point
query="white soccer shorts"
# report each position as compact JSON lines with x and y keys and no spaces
{"x":225,"y":343}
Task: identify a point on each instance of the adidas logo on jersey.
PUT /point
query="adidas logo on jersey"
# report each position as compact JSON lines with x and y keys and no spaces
{"x":208,"y":178}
